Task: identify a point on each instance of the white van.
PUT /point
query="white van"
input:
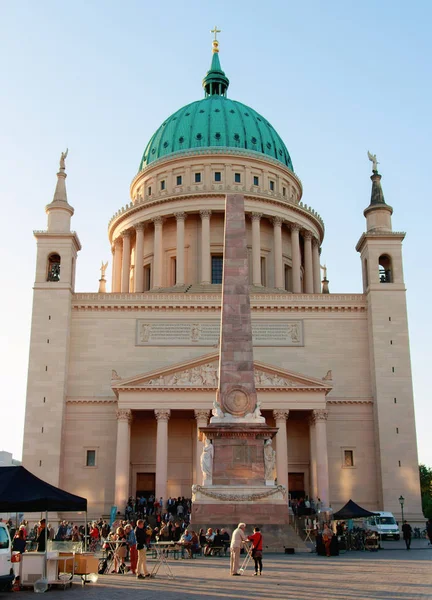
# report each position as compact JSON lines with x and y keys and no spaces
{"x":384,"y":524}
{"x":6,"y":570}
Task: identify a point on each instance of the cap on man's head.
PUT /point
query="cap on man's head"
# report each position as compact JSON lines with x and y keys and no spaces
{"x":241,"y":525}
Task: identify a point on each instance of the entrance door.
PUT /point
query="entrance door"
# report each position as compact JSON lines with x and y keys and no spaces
{"x":296,"y":485}
{"x":145,"y":484}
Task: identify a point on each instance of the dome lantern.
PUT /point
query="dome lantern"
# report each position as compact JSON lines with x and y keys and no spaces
{"x":215,"y":83}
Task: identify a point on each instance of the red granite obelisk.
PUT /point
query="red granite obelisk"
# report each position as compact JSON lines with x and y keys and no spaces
{"x":236,"y":481}
{"x":236,"y":392}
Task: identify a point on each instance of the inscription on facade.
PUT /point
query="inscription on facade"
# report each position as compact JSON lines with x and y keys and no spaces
{"x":206,"y":333}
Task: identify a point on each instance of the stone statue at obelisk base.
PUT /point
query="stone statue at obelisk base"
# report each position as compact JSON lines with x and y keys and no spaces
{"x":238,"y":460}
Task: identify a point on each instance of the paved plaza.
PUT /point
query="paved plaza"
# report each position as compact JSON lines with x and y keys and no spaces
{"x":393,"y":573}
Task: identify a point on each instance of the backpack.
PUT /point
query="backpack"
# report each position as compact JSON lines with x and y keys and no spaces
{"x":102,"y":567}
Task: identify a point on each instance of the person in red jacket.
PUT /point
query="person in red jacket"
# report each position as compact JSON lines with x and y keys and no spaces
{"x":257,"y":546}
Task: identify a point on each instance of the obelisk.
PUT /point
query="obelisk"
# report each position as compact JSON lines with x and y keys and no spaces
{"x":236,"y":392}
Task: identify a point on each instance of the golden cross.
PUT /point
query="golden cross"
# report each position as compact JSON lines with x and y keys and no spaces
{"x":215,"y":31}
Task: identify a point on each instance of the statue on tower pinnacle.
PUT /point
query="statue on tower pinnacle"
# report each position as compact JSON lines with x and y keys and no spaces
{"x":62,"y":159}
{"x":374,"y":161}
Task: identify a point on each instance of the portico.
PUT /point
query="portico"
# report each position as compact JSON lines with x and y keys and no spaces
{"x":165,"y":441}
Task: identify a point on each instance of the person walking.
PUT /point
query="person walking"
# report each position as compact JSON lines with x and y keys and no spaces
{"x":257,"y":547}
{"x":407,"y":534}
{"x":237,"y":540}
{"x":141,"y":535}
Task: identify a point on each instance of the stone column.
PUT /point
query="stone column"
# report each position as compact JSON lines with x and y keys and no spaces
{"x":205,"y":246}
{"x":256,"y":249}
{"x":309,"y":281}
{"x":282,"y":447}
{"x":277,"y":245}
{"x":122,"y":468}
{"x":313,"y":460}
{"x":118,"y":243}
{"x":201,"y":417}
{"x":139,"y":258}
{"x":320,"y":418}
{"x":157,"y":252}
{"x":126,"y":261}
{"x":316,"y":266}
{"x":162,"y":416}
{"x":296,"y":258}
{"x":180,"y":264}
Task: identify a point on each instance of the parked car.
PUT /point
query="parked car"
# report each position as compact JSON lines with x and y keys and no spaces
{"x":384,"y":524}
{"x":6,"y":570}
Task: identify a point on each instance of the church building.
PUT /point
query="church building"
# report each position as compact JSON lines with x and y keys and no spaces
{"x":120,"y":381}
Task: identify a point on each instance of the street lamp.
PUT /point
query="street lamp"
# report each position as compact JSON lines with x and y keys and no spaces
{"x":402,"y":502}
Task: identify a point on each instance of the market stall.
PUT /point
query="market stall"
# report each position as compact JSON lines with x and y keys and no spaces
{"x":21,"y":491}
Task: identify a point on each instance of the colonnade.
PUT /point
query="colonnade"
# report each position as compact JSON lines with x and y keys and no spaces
{"x":318,"y":452}
{"x":311,"y":257}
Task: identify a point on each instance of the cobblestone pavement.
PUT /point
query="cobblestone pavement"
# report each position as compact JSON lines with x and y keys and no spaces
{"x":395,"y":574}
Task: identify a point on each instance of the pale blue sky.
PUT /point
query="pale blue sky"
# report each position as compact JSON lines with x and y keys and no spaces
{"x":334,"y":78}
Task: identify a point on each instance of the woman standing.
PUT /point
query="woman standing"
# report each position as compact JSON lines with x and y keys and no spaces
{"x":257,"y":547}
{"x":327,"y":535}
{"x":121,"y":549}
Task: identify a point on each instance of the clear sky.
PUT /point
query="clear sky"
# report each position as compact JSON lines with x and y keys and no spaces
{"x":334,"y":78}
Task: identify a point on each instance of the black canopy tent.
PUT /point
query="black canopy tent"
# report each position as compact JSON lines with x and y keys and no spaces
{"x":351,"y":510}
{"x":22,"y":491}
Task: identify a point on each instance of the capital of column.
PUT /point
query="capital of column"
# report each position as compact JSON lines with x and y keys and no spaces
{"x":281,"y":415}
{"x":180,"y":216}
{"x":124,"y":414}
{"x":125,"y":234}
{"x":255,"y":216}
{"x":319,"y":415}
{"x":157,"y":221}
{"x":162,"y":414}
{"x":139,"y":227}
{"x":307,"y":234}
{"x":201,"y":414}
{"x":315,"y":242}
{"x":113,"y":249}
{"x":205,"y":214}
{"x":277,"y":221}
{"x":294,"y":226}
{"x":118,"y":241}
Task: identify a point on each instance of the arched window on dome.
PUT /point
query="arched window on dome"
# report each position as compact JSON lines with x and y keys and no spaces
{"x":53,"y":267}
{"x":385,"y":269}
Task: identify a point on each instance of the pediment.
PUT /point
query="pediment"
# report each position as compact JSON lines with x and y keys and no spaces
{"x":202,"y":373}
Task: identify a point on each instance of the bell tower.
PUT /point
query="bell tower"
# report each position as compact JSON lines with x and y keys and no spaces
{"x":57,"y":249}
{"x":380,"y":250}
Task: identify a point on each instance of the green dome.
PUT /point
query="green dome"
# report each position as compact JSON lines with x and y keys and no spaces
{"x":216,"y":122}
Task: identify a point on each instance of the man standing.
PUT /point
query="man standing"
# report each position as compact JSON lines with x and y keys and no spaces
{"x":407,"y":534}
{"x":140,"y":535}
{"x":237,"y":540}
{"x":41,"y":545}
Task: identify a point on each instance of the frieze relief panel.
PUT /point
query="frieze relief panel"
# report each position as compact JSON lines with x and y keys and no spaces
{"x":206,"y":333}
{"x":206,"y":376}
